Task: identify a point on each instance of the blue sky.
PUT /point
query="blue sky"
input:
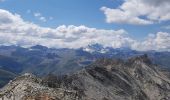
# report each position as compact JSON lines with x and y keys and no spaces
{"x":54,"y":13}
{"x":76,"y":12}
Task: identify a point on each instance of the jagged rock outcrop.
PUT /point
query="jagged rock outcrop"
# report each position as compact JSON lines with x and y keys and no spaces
{"x":106,"y":79}
{"x":28,"y":87}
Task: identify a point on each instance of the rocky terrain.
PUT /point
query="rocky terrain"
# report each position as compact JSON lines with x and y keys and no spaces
{"x":106,"y":79}
{"x":29,"y":87}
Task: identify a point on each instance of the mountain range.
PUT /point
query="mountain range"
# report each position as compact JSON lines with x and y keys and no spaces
{"x":41,"y":60}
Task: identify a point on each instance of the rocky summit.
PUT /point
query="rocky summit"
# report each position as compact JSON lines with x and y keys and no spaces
{"x":28,"y":87}
{"x":106,"y":79}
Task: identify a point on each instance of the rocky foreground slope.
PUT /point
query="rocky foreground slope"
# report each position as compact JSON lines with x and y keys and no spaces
{"x":106,"y":79}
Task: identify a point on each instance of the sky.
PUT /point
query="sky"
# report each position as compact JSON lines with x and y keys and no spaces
{"x":138,"y":24}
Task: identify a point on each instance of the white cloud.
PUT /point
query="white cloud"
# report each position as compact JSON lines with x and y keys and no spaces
{"x":40,"y":17}
{"x":37,"y":14}
{"x":14,"y":30}
{"x":139,"y":12}
{"x":158,"y":42}
{"x":43,"y":19}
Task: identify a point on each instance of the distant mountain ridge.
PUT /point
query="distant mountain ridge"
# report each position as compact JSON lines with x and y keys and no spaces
{"x":41,"y":60}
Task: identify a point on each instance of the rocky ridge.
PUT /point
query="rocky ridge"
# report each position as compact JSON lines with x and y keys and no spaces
{"x":29,"y":87}
{"x":106,"y":79}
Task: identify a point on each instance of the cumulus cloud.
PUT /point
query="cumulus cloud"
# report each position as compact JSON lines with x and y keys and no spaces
{"x":139,"y":12}
{"x":158,"y":42}
{"x":15,"y":31}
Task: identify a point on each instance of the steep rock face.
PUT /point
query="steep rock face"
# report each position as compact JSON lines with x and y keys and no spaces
{"x":106,"y":79}
{"x":28,"y":87}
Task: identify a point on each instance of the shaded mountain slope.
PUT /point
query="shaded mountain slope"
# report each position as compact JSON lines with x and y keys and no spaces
{"x":10,"y":64}
{"x":5,"y":76}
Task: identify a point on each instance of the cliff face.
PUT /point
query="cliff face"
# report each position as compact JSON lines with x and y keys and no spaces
{"x":106,"y":79}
